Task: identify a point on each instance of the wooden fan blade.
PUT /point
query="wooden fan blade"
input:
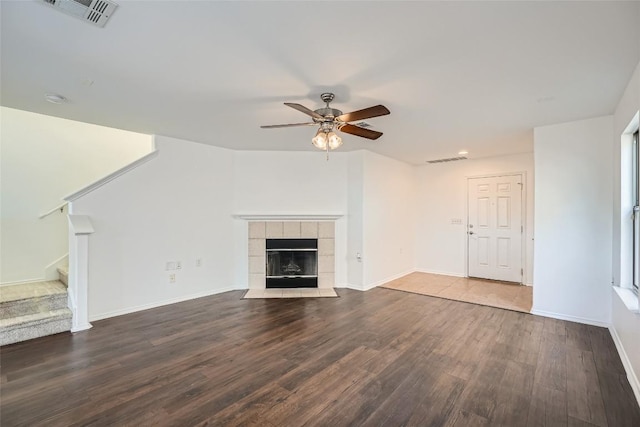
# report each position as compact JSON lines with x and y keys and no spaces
{"x":367,"y":113}
{"x":358,"y":131}
{"x":288,"y":125}
{"x":304,"y":109}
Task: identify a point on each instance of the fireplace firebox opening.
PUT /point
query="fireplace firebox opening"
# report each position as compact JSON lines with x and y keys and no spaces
{"x":292,"y":263}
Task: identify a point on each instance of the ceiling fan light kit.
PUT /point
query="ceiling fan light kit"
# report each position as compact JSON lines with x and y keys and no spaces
{"x":326,"y":140}
{"x":330,"y":119}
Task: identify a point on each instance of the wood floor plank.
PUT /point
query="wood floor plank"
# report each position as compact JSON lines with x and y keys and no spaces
{"x":466,"y":419}
{"x":406,"y":401}
{"x":551,"y":369}
{"x":578,"y":336}
{"x":548,"y":407}
{"x":382,"y":357}
{"x":480,"y":397}
{"x":307,"y":402}
{"x":584,"y":400}
{"x":35,"y":407}
{"x":619,"y":405}
{"x":250,"y":409}
{"x":574,"y":422}
{"x":439,"y":402}
{"x":604,"y":351}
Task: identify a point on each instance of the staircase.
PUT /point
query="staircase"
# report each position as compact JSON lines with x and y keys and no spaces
{"x":33,"y":310}
{"x":63,"y":274}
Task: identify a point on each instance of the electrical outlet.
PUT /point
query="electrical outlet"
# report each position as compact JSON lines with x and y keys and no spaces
{"x":172,"y":278}
{"x":170,"y":265}
{"x":198,"y":262}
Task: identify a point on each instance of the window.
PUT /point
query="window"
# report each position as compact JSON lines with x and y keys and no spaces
{"x":635,"y":176}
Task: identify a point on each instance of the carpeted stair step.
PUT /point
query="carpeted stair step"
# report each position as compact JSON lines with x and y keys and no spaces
{"x":63,"y":274}
{"x":31,"y":298}
{"x":22,"y":328}
{"x":33,"y":310}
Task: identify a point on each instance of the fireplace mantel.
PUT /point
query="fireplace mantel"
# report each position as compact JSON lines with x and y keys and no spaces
{"x":288,"y":216}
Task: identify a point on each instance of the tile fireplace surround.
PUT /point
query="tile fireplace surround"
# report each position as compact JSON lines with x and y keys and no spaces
{"x":260,"y":231}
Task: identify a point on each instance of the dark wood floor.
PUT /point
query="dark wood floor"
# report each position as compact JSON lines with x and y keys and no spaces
{"x":382,"y":357}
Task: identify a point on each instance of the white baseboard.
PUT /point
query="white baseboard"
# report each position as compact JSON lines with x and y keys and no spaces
{"x":369,"y":286}
{"x":23,"y":282}
{"x":142,"y":307}
{"x":82,"y":327}
{"x":350,"y":286}
{"x":570,"y":318}
{"x":361,"y":288}
{"x":442,"y":273}
{"x":389,"y":279}
{"x":631,"y":375}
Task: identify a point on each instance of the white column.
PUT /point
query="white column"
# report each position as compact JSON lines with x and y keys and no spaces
{"x":80,"y":228}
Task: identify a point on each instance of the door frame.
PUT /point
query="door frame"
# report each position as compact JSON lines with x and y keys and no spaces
{"x":523,"y":219}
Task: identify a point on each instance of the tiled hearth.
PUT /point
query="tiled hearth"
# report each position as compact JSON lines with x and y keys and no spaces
{"x":259,"y":231}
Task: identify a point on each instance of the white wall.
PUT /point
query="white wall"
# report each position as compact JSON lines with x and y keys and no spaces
{"x":355,"y":224}
{"x":182,"y":205}
{"x":285,"y":182}
{"x":388,"y":209}
{"x":43,"y":159}
{"x":625,"y":324}
{"x":176,"y":207}
{"x":622,"y":202}
{"x":573,"y":235}
{"x":292,"y":183}
{"x":441,"y":195}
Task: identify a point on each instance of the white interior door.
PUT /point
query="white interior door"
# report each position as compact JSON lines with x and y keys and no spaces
{"x":495,"y":228}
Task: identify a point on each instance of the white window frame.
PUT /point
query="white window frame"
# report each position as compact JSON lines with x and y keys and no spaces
{"x":635,"y":185}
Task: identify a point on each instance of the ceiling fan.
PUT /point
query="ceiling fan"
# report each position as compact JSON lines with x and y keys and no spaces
{"x":329,"y":119}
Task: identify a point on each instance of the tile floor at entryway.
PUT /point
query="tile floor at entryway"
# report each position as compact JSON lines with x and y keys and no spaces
{"x":478,"y":291}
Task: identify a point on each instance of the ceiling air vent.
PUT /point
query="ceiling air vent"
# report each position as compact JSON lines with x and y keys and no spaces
{"x":96,"y":12}
{"x":363,"y":125}
{"x":450,"y":159}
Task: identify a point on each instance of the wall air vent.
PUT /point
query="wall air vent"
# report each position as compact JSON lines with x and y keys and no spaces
{"x":96,"y":12}
{"x":450,"y":159}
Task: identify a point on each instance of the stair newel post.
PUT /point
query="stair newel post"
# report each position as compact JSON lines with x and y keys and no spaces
{"x":80,"y":228}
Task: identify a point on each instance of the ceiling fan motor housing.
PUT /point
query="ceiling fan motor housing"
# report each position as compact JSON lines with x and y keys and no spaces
{"x":327,"y":113}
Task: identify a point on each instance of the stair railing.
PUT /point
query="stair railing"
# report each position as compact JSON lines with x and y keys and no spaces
{"x":60,"y":208}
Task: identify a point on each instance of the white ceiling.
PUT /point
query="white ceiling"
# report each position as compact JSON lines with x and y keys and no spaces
{"x":455,"y":75}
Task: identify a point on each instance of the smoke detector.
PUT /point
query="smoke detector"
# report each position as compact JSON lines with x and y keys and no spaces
{"x":96,"y":12}
{"x":55,"y":98}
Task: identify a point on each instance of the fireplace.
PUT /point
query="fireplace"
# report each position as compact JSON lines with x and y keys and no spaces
{"x":292,"y":263}
{"x":315,"y":240}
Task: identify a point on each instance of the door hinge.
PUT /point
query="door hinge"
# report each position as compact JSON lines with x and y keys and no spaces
{"x":522,"y":271}
{"x":522,"y":228}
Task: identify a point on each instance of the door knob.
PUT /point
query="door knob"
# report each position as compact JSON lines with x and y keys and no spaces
{"x":471,"y":232}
